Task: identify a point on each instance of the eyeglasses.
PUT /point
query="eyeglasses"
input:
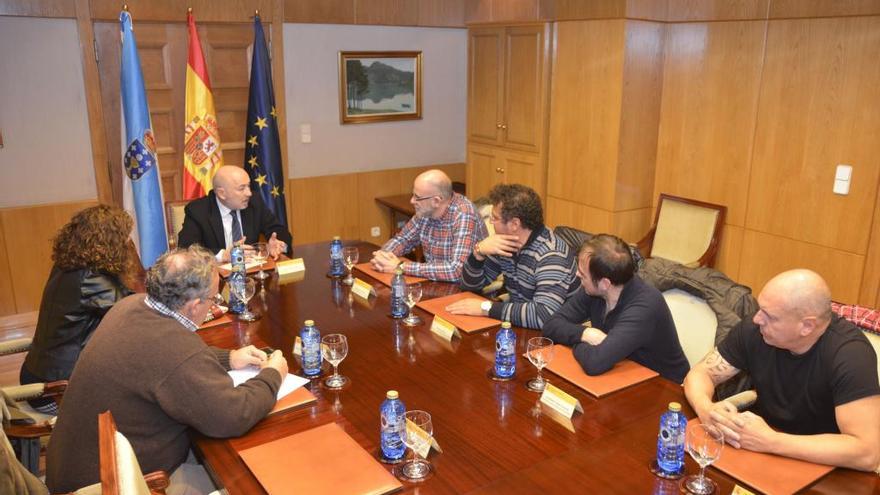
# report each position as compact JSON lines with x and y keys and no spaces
{"x":416,"y":197}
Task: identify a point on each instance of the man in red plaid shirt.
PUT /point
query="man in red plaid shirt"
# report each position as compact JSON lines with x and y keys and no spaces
{"x":446,"y":225}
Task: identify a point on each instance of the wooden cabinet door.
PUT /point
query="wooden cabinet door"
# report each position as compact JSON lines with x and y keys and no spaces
{"x":484,"y":170}
{"x":523,"y":168}
{"x":485,"y":84}
{"x":524,"y":87}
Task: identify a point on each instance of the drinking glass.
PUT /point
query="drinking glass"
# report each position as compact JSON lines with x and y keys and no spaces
{"x":335,"y":348}
{"x":261,"y":253}
{"x":350,"y":256}
{"x":704,"y":443}
{"x":245,"y":292}
{"x":540,"y":352}
{"x":411,"y":297}
{"x":416,"y":469}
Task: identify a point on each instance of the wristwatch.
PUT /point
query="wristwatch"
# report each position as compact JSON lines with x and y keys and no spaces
{"x":485,"y":306}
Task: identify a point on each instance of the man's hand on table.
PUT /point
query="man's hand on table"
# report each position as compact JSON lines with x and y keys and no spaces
{"x":469,"y":306}
{"x":247,"y":356}
{"x":276,"y":246}
{"x":384,"y":261}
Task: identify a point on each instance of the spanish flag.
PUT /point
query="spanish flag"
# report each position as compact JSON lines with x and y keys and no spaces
{"x":201,"y":153}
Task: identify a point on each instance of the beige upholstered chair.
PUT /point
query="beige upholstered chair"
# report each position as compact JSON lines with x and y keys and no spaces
{"x":27,"y":426}
{"x":695,"y":322}
{"x":120,"y":471}
{"x":874,"y":339}
{"x":174,"y":220}
{"x":685,"y":231}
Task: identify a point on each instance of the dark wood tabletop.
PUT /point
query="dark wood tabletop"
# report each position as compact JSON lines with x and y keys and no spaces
{"x":494,"y":437}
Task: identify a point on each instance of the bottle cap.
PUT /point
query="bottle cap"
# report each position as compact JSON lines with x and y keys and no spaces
{"x":674,"y":406}
{"x":505,"y":324}
{"x":309,"y":323}
{"x":391,"y":394}
{"x":336,"y":238}
{"x":399,"y":269}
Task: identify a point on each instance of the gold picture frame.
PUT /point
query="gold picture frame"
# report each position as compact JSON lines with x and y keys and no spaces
{"x":379,"y":86}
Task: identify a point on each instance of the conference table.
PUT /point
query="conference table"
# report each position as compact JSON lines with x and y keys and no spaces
{"x":494,"y":436}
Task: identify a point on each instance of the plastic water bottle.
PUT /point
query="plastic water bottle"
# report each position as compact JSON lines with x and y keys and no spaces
{"x":398,"y":294}
{"x":505,"y":351}
{"x":670,"y":441}
{"x":391,"y":425}
{"x":236,"y":279}
{"x":311,"y":349}
{"x":337,"y":267}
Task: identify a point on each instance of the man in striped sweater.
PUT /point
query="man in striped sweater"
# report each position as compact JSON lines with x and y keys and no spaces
{"x":539,"y":269}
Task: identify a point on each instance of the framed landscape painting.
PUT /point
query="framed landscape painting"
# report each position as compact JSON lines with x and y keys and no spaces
{"x":379,"y":86}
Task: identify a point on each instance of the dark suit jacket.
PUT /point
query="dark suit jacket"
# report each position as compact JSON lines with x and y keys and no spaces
{"x":203,"y":225}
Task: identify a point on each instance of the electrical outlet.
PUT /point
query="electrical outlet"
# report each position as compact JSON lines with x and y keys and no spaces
{"x":375,"y":231}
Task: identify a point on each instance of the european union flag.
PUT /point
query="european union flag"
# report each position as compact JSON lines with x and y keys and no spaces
{"x":262,"y":145}
{"x":143,"y":192}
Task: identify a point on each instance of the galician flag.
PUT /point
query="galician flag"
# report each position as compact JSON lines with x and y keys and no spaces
{"x":201,"y":150}
{"x":142,"y":190}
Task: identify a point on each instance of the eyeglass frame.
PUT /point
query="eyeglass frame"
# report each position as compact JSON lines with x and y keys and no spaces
{"x":416,"y":197}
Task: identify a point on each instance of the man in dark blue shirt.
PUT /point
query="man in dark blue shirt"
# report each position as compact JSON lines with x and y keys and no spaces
{"x":627,"y":318}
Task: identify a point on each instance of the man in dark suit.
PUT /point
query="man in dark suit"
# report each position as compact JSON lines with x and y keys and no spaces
{"x":229,"y":214}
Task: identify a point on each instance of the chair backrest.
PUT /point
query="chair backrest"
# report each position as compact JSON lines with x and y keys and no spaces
{"x":120,"y":471}
{"x":874,"y":339}
{"x":687,"y":231}
{"x":695,"y":322}
{"x":485,"y":213}
{"x":174,"y":219}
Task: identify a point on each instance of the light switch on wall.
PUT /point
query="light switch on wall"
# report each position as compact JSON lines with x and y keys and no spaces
{"x":305,"y":133}
{"x":842,"y":178}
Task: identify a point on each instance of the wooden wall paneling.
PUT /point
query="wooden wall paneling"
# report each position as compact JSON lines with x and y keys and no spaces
{"x":323,"y":207}
{"x":820,"y":79}
{"x":484,"y":169}
{"x":729,"y":254}
{"x":38,"y":8}
{"x":761,"y":261}
{"x":717,"y":10}
{"x":319,"y":11}
{"x":585,"y":102}
{"x":387,"y":12}
{"x":571,"y":214}
{"x":443,"y":13}
{"x":631,"y":225}
{"x":175,"y":10}
{"x":106,"y":35}
{"x":525,"y":86}
{"x":524,"y":168}
{"x":711,"y":81}
{"x":28,"y":232}
{"x":478,"y":11}
{"x":514,"y":10}
{"x":371,"y":185}
{"x":639,"y":115}
{"x":869,"y":294}
{"x":7,"y":294}
{"x":582,"y":9}
{"x":93,"y":102}
{"x":822,"y":8}
{"x":651,"y":10}
{"x":276,"y":31}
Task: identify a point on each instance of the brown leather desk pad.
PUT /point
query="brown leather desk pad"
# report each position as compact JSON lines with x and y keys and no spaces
{"x":624,"y":374}
{"x":222,"y":320}
{"x":385,"y":278}
{"x":322,"y":460}
{"x":768,"y":473}
{"x":464,"y":323}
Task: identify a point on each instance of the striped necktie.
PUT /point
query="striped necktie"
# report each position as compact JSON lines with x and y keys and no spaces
{"x":236,"y":227}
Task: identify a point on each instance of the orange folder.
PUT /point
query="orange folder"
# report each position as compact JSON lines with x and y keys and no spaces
{"x":323,"y":460}
{"x":298,"y":397}
{"x":464,"y":323}
{"x":624,"y":374}
{"x":768,"y":473}
{"x":385,"y":278}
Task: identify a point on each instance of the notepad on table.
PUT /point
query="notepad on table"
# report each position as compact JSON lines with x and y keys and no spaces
{"x":292,"y":392}
{"x":624,"y":374}
{"x":323,"y":460}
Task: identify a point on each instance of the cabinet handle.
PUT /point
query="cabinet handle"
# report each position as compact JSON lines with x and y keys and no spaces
{"x":503,"y":126}
{"x":499,"y":125}
{"x":499,"y":170}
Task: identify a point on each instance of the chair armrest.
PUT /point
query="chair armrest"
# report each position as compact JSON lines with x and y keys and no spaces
{"x":157,"y":481}
{"x":15,"y":346}
{"x":647,"y":242}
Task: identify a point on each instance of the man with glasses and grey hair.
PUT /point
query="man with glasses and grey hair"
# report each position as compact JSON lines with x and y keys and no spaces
{"x":446,"y":225}
{"x":146,"y":365}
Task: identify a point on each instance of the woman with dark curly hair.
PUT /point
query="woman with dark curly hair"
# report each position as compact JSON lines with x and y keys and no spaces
{"x":90,"y":255}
